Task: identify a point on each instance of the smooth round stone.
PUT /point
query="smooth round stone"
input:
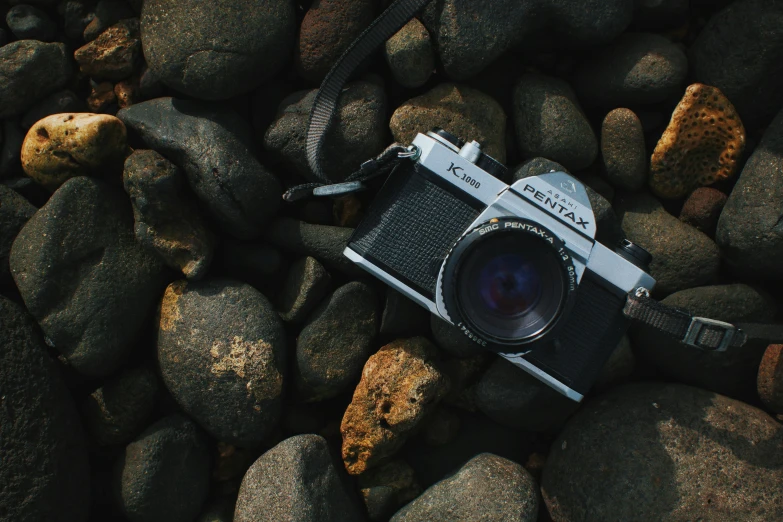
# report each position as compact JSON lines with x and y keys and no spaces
{"x":623,"y":150}
{"x":29,"y":70}
{"x":306,"y":284}
{"x":410,"y":55}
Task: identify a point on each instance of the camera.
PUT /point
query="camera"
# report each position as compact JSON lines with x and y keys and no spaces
{"x":516,"y":268}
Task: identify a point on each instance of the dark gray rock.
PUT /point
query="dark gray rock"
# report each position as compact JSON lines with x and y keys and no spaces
{"x":452,"y":340}
{"x":402,"y":317}
{"x":295,"y":480}
{"x":550,"y":123}
{"x":15,"y":211}
{"x":59,"y":102}
{"x":306,"y":284}
{"x":410,"y":55}
{"x":703,"y":208}
{"x":11,"y":149}
{"x":107,"y":13}
{"x":739,"y":52}
{"x":357,"y":133}
{"x":637,"y":68}
{"x":213,"y":147}
{"x":660,"y":14}
{"x":387,"y":488}
{"x":658,"y":451}
{"x":623,"y":150}
{"x":44,"y":471}
{"x":29,"y":70}
{"x":221,"y":352}
{"x":487,"y":487}
{"x":83,"y":277}
{"x":30,"y":23}
{"x":76,"y":14}
{"x":164,"y":474}
{"x":216,"y":51}
{"x":336,"y":341}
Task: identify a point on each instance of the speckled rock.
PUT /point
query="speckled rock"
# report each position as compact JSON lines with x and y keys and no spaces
{"x":462,"y":111}
{"x":323,"y":242}
{"x":487,"y":487}
{"x":114,"y":54}
{"x":410,"y":56}
{"x":29,"y":70}
{"x":63,"y":146}
{"x":15,"y":211}
{"x":667,"y":452}
{"x":683,"y":257}
{"x":44,"y":472}
{"x":164,"y":474}
{"x":770,"y":378}
{"x":387,"y":488}
{"x":623,"y":150}
{"x":30,"y":23}
{"x":221,"y":351}
{"x":402,"y":317}
{"x":357,"y":133}
{"x":107,"y":13}
{"x":336,"y":341}
{"x":83,"y":277}
{"x":401,"y":384}
{"x":306,"y":284}
{"x":550,"y":123}
{"x":702,"y":209}
{"x":452,"y":340}
{"x":217,"y":50}
{"x":295,"y":481}
{"x":57,"y":103}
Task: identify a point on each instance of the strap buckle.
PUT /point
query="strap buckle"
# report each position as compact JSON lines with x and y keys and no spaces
{"x":697,"y":326}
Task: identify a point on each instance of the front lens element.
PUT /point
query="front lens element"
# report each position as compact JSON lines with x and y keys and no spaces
{"x":509,"y":285}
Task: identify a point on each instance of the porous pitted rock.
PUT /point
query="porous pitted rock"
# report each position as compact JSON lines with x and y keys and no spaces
{"x":682,"y":257}
{"x":702,"y":209}
{"x":323,"y":242}
{"x":357,"y":133}
{"x":462,"y":111}
{"x":402,"y":317}
{"x":487,"y":487}
{"x":127,"y":93}
{"x":550,"y":123}
{"x":15,"y":211}
{"x":637,"y":68}
{"x":328,"y":28}
{"x":306,"y":284}
{"x":702,"y":144}
{"x":44,"y":472}
{"x":295,"y":481}
{"x":30,"y":23}
{"x":452,"y":340}
{"x":623,"y":150}
{"x":410,"y":56}
{"x":63,"y":146}
{"x":619,"y":366}
{"x":114,"y":54}
{"x":336,"y":342}
{"x":739,"y":51}
{"x":401,"y":384}
{"x":84,"y":277}
{"x":217,"y":50}
{"x":164,"y":474}
{"x":117,"y":411}
{"x":107,"y":13}
{"x":102,"y":98}
{"x":29,"y":70}
{"x":166,"y":221}
{"x":654,"y":451}
{"x":387,"y":488}
{"x":57,"y":103}
{"x":770,"y":378}
{"x":221,"y":351}
{"x":213,"y":146}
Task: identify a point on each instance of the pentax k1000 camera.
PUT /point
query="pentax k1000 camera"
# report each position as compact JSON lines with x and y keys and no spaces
{"x":516,"y":268}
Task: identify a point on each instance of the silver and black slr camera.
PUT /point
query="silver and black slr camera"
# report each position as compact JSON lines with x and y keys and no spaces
{"x":516,"y":268}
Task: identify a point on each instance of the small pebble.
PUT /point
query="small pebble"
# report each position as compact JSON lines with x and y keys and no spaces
{"x":102,"y":98}
{"x":127,"y":93}
{"x":114,"y":54}
{"x":702,"y":209}
{"x":410,"y":55}
{"x":623,"y":150}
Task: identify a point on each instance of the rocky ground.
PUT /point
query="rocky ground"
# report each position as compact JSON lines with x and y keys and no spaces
{"x":177,"y":344}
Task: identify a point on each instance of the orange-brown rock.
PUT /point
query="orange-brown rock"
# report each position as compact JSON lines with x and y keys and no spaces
{"x":401,"y":384}
{"x":770,"y":378}
{"x":702,"y":144}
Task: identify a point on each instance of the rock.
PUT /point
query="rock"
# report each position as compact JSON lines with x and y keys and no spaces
{"x":44,"y":471}
{"x":77,"y":15}
{"x":667,"y":452}
{"x":637,"y":68}
{"x":619,"y":367}
{"x":29,"y":70}
{"x":217,"y":50}
{"x":107,"y":13}
{"x":57,"y":103}
{"x":462,"y":111}
{"x":750,"y":234}
{"x":682,"y":257}
{"x":166,"y":221}
{"x":15,"y":211}
{"x":402,"y":317}
{"x":599,"y":185}
{"x":150,"y":85}
{"x":322,"y":242}
{"x":11,"y":150}
{"x":452,"y":340}
{"x":387,"y":488}
{"x":401,"y":384}
{"x":258,"y":265}
{"x":127,"y":93}
{"x":63,"y":146}
{"x":441,"y":428}
{"x":463,"y":375}
{"x":114,"y":54}
{"x":511,"y":397}
{"x":213,"y":147}
{"x":487,"y":487}
{"x":550,"y":123}
{"x":295,"y":480}
{"x":306,"y":284}
{"x":83,"y":277}
{"x":221,"y":351}
{"x":702,"y":144}
{"x":770,"y":378}
{"x":117,"y":411}
{"x":738,"y":52}
{"x":356,"y":134}
{"x":410,"y":56}
{"x":623,"y":151}
{"x":661,"y":14}
{"x":703,"y":208}
{"x":336,"y":341}
{"x":164,"y":474}
{"x":328,"y":28}
{"x":102,"y":98}
{"x":30,"y":23}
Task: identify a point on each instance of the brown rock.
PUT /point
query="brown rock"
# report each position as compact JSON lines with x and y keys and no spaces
{"x":770,"y":379}
{"x":702,"y":209}
{"x":702,"y":144}
{"x":114,"y":54}
{"x":127,"y":93}
{"x":102,"y":98}
{"x":62,"y":146}
{"x":387,"y":488}
{"x":347,"y":211}
{"x":401,"y":384}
